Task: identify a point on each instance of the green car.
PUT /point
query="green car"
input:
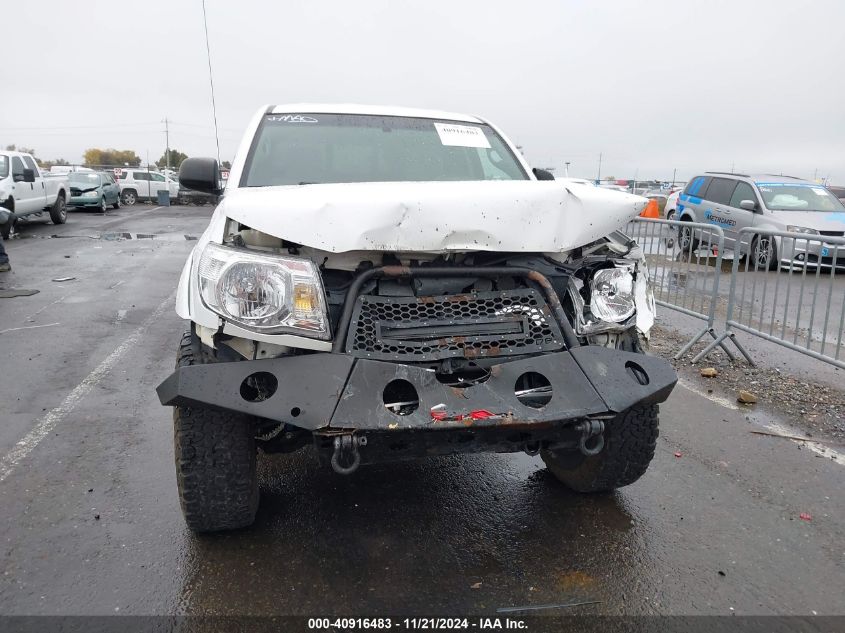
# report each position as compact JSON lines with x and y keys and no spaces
{"x":93,"y":189}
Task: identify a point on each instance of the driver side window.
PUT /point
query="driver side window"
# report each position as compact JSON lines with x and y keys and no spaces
{"x":742,"y":192}
{"x":17,"y":168}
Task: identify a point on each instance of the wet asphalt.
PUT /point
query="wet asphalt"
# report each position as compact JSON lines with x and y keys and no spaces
{"x":90,"y":521}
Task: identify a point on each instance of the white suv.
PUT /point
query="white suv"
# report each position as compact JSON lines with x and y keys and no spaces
{"x":142,"y":185}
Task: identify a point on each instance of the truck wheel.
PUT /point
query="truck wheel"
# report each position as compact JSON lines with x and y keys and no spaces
{"x":215,"y":461}
{"x":129,"y":197}
{"x":629,"y":442}
{"x":58,"y":212}
{"x":7,"y":229}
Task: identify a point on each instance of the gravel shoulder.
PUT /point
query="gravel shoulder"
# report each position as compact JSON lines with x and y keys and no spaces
{"x":817,"y":408}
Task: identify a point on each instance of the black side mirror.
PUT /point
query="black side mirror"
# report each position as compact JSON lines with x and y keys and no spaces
{"x":200,"y":174}
{"x":28,"y":175}
{"x":543,"y":174}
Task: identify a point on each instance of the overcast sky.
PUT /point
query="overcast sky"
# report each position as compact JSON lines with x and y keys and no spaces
{"x":652,"y":86}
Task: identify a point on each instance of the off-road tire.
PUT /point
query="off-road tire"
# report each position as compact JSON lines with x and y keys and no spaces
{"x":629,"y":442}
{"x":216,"y":457}
{"x":58,"y":212}
{"x":7,"y":228}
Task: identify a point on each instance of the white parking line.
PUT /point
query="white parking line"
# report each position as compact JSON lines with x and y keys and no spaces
{"x":45,"y":425}
{"x":774,"y":427}
{"x":819,"y":449}
{"x":722,"y":402}
{"x":27,"y":327}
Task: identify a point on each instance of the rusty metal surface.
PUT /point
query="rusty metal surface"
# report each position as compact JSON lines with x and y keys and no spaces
{"x":481,"y":324}
{"x":586,"y":381}
{"x":453,"y":271}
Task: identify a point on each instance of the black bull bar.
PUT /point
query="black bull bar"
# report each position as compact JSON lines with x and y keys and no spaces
{"x":329,"y":390}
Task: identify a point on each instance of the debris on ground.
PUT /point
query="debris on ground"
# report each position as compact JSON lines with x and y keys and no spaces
{"x":805,"y":516}
{"x":815,"y":407}
{"x":709,"y":372}
{"x":678,"y":454}
{"x":540,"y":607}
{"x":475,"y":586}
{"x":797,"y":438}
{"x":64,"y":279}
{"x":746,"y":397}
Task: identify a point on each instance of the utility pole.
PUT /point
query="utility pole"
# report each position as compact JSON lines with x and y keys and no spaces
{"x":674,"y":172}
{"x":566,"y":170}
{"x":167,"y":146}
{"x":598,"y":177}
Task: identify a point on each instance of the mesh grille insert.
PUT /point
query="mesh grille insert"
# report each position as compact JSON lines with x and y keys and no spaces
{"x":482,"y":324}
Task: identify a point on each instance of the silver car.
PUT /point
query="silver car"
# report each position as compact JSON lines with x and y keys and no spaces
{"x":778,"y":203}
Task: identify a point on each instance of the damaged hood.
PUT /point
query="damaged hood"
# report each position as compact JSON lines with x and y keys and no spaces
{"x":508,"y":216}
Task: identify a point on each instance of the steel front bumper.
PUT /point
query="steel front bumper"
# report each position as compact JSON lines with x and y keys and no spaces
{"x":316,"y":391}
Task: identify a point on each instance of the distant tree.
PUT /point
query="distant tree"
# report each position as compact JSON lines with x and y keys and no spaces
{"x":226,"y":164}
{"x":15,"y":148}
{"x":96,"y":156}
{"x":176,"y":158}
{"x":47,"y":164}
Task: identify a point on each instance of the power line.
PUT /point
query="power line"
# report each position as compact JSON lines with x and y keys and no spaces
{"x":211,"y":79}
{"x":78,"y":127}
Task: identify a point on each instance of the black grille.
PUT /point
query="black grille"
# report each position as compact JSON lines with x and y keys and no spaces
{"x":476,"y":325}
{"x":833,"y":233}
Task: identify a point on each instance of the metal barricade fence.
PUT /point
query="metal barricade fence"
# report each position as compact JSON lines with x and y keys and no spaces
{"x":787,"y":292}
{"x":685,"y":262}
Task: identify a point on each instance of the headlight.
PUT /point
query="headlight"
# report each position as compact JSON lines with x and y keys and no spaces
{"x":90,"y":194}
{"x":612,"y":296}
{"x":264,"y":292}
{"x":801,"y":229}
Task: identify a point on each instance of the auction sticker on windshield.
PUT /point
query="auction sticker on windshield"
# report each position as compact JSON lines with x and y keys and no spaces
{"x":461,"y":135}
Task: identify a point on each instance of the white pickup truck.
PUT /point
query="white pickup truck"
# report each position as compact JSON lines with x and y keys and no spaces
{"x":25,"y":190}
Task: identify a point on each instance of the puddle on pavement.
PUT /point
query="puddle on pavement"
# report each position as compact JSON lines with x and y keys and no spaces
{"x":163,"y":237}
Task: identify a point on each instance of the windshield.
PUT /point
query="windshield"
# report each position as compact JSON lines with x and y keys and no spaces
{"x":83,"y":178}
{"x":297,"y":149}
{"x":4,"y":166}
{"x":798,"y":197}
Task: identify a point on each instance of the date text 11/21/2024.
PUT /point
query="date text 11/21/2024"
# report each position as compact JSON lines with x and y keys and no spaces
{"x":419,"y":623}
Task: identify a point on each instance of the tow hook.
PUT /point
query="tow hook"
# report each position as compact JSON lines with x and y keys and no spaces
{"x":346,"y":458}
{"x":591,"y":429}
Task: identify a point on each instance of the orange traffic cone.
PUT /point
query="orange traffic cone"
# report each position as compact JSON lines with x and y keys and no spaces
{"x":651,"y":210}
